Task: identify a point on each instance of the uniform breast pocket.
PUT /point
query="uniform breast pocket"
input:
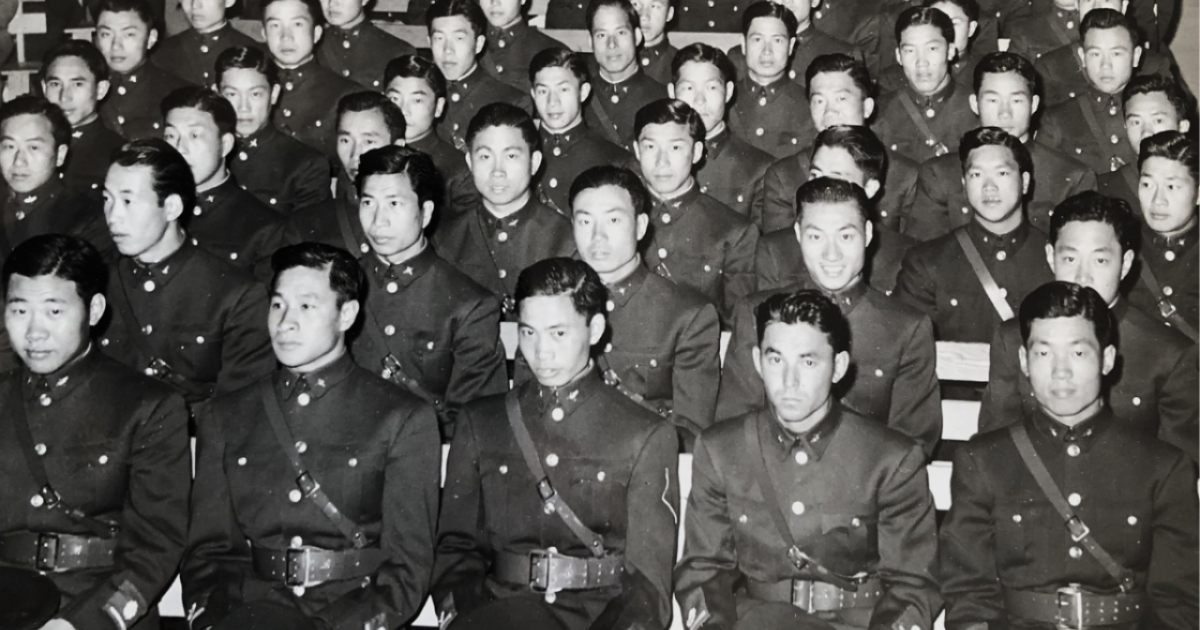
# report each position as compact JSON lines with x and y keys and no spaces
{"x":856,"y":532}
{"x":649,"y":374}
{"x":1017,"y":526}
{"x":359,"y":474}
{"x":598,"y":489}
{"x":697,"y":268}
{"x":196,"y":352}
{"x":432,"y":355}
{"x":95,"y":475}
{"x":1132,"y":524}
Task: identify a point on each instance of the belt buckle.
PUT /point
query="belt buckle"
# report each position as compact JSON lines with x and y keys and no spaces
{"x":297,"y":567}
{"x":539,"y":569}
{"x":307,"y":484}
{"x":158,"y":368}
{"x":1166,"y":307}
{"x":46,"y":555}
{"x":802,"y":595}
{"x":1078,"y":529}
{"x":1069,"y":596}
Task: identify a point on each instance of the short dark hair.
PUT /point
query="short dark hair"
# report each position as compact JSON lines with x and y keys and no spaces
{"x":1103,"y":19}
{"x":313,"y":6}
{"x":84,"y":50}
{"x":416,"y":67}
{"x":994,"y":136}
{"x":865,"y":148}
{"x":559,"y":58}
{"x":666,"y":111}
{"x":248,"y":58}
{"x":68,"y":257}
{"x":807,"y":306}
{"x":840,"y":62}
{"x":608,"y":175}
{"x":139,"y":7}
{"x":921,"y":16}
{"x":703,"y":53}
{"x":1066,"y":299}
{"x":1150,"y":83}
{"x":1002,"y":62}
{"x":169,"y":172}
{"x":502,"y":114}
{"x":770,"y":10}
{"x":422,"y":175}
{"x":564,"y":276}
{"x":831,"y":190}
{"x":625,"y":6}
{"x":374,"y":101}
{"x":205,"y":100}
{"x":60,"y":127}
{"x":1171,"y":145}
{"x":1092,"y":206}
{"x":468,"y":9}
{"x":346,"y":277}
{"x":969,"y":7}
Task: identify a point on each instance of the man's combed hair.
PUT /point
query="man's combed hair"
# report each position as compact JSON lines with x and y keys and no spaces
{"x":807,"y":306}
{"x":564,"y":276}
{"x":864,"y":147}
{"x":81,"y":49}
{"x":468,"y":9}
{"x":770,"y":10}
{"x":1066,"y":299}
{"x":169,"y":172}
{"x":608,"y":175}
{"x":831,"y":190}
{"x":503,"y":115}
{"x":359,"y":102}
{"x":668,"y":111}
{"x":840,"y":62}
{"x":1093,"y":206}
{"x":1001,"y":62}
{"x":346,"y":277}
{"x":422,"y":175}
{"x":27,"y":104}
{"x":559,"y":58}
{"x":1104,"y":19}
{"x":997,"y":137}
{"x":1151,"y":83}
{"x":1171,"y":145}
{"x":625,"y":6}
{"x":68,"y":257}
{"x":416,"y":67}
{"x":248,"y":58}
{"x":922,"y":16}
{"x":703,"y":53}
{"x":205,"y":100}
{"x":313,"y":6}
{"x":139,"y":7}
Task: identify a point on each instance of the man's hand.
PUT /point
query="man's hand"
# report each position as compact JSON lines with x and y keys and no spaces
{"x":58,"y":624}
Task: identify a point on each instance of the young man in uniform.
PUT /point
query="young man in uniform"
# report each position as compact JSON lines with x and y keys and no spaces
{"x":94,"y":454}
{"x":657,"y":52}
{"x":193,"y":53}
{"x":620,"y":88}
{"x":964,"y":15}
{"x":664,"y":339}
{"x":1069,"y":511}
{"x":1035,"y":35}
{"x":354,"y":47}
{"x":1152,"y":105}
{"x":511,"y":42}
{"x":824,"y":512}
{"x":561,"y":497}
{"x":297,"y":513}
{"x":810,"y":42}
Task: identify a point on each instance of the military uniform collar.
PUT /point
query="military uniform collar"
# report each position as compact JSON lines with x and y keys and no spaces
{"x":259,"y":138}
{"x":212,"y":36}
{"x":1067,"y":18}
{"x":492,"y":222}
{"x":508,"y":35}
{"x":300,"y":73}
{"x":86,"y":128}
{"x":339,"y":34}
{"x":1175,"y":244}
{"x":425,"y":145}
{"x":769,"y":91}
{"x":315,"y":384}
{"x":562,"y":141}
{"x":814,"y":442}
{"x":117,"y":80}
{"x":679,"y":203}
{"x":208,"y":200}
{"x":1101,"y":101}
{"x":1083,"y":434}
{"x":405,"y":273}
{"x":622,"y":290}
{"x":847,"y":299}
{"x":157,"y":275}
{"x":650,"y":53}
{"x":47,"y":388}
{"x":717,"y":144}
{"x":566,"y":398}
{"x":24,"y":205}
{"x":993,"y":244}
{"x":608,"y":87}
{"x":931,"y":102}
{"x":468,"y":82}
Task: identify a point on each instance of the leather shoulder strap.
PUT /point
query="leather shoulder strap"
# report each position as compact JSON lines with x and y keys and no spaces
{"x":985,"y":277}
{"x":1166,"y":308}
{"x":911,"y":109}
{"x":345,"y":228}
{"x":606,"y":123}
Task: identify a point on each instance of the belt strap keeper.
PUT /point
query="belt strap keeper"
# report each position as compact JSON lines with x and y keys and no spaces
{"x":816,"y":596}
{"x":1072,"y":608}
{"x":545,"y":570}
{"x":309,"y":566}
{"x":56,"y":553}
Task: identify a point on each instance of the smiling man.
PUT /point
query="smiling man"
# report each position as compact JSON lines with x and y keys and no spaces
{"x":1152,"y":104}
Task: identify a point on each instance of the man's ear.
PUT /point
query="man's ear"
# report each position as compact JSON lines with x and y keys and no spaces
{"x":671,"y":90}
{"x":439,"y":107}
{"x":756,"y":354}
{"x":151,"y":39}
{"x":868,"y":234}
{"x":596,"y":328}
{"x":61,"y":158}
{"x":868,"y":108}
{"x":102,"y":88}
{"x":96,"y":309}
{"x":274,"y":94}
{"x":173,"y":208}
{"x":1185,"y":126}
{"x":697,"y":152}
{"x":951,"y":52}
{"x":536,"y":162}
{"x":1035,"y":104}
{"x":1110,"y":359}
{"x":348,"y":315}
{"x":638,"y":36}
{"x":1023,"y":359}
{"x":229,"y":3}
{"x":1137,"y":55}
{"x":670,"y":14}
{"x":1024,"y":184}
{"x":318,"y":32}
{"x":227,"y":142}
{"x":971,"y":29}
{"x":1126,"y":263}
{"x":872,"y":189}
{"x":841,"y":363}
{"x":974,"y":101}
{"x":728,"y":91}
{"x":480,"y":42}
{"x":1050,"y":258}
{"x":1079,"y":56}
{"x":426,"y":213}
{"x":643,"y":224}
{"x":585,"y":91}
{"x":791,"y":46}
{"x":898,"y":62}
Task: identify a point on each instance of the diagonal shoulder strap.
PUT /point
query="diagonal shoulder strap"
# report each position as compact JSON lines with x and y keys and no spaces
{"x":551,"y":500}
{"x":911,"y":109}
{"x":606,"y":123}
{"x":120,"y":301}
{"x":1078,"y":530}
{"x":985,"y":277}
{"x":1166,"y":308}
{"x":348,"y":237}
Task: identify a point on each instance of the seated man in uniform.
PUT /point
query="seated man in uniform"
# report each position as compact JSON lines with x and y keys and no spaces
{"x":179,"y":313}
{"x":1092,"y":243}
{"x":1152,"y":105}
{"x":1004,"y":96}
{"x":507,"y":229}
{"x":585,"y":539}
{"x":75,"y":77}
{"x":702,"y":77}
{"x":1126,"y":557}
{"x":657,"y":52}
{"x":894,"y":381}
{"x":512,"y":42}
{"x":427,"y":327}
{"x":457,"y":36}
{"x":840,"y":531}
{"x":964,"y":14}
{"x":620,"y":87}
{"x":929,"y":115}
{"x":354,"y":47}
{"x":282,"y":172}
{"x":663,"y":343}
{"x":810,"y":42}
{"x":227,"y":221}
{"x":193,"y":53}
{"x":298,"y":514}
{"x":968,"y":280}
{"x":94,"y":454}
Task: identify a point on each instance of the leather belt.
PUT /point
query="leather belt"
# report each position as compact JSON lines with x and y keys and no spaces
{"x":1073,"y":608}
{"x":55,"y":553}
{"x":814,"y":596}
{"x":546,"y":570}
{"x":309,"y":566}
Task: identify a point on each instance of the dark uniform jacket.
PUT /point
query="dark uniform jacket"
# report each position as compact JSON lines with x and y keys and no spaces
{"x":947,"y":115}
{"x":1136,"y":494}
{"x":115,"y":446}
{"x":235,"y":226}
{"x":1063,"y":78}
{"x":656,"y":60}
{"x":132,"y":106}
{"x":565,"y":155}
{"x":709,"y":16}
{"x":1103,"y":147}
{"x":936,"y":278}
{"x":893,"y":378}
{"x":282,"y":172}
{"x":193,"y":55}
{"x":855,"y":496}
{"x":611,"y":460}
{"x":1175,"y":264}
{"x":1122,"y":184}
{"x":467,"y":95}
{"x":361,"y":53}
{"x":508,"y":53}
{"x":49,"y":209}
{"x":773,"y":118}
{"x":1034,"y":36}
{"x":779,"y":263}
{"x":810,"y":44}
{"x":611,"y":109}
{"x":199,"y":315}
{"x":856,"y":22}
{"x":307,"y":107}
{"x":698,"y":242}
{"x":731,"y":170}
{"x":566,"y":14}
{"x":457,"y":182}
{"x":333,"y":222}
{"x":941,"y":200}
{"x":441,"y":328}
{"x":1154,"y":387}
{"x":381,"y":471}
{"x":962,"y":69}
{"x":92,"y":146}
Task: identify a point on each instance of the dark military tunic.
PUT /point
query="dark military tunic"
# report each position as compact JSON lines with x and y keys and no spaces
{"x":962,"y":69}
{"x":779,"y":263}
{"x":810,"y":44}
{"x":1034,"y":36}
{"x":381,"y":471}
{"x":941,"y":201}
{"x":50,"y":209}
{"x":1104,"y":146}
{"x":566,"y":155}
{"x":132,"y":106}
{"x":1122,"y":184}
{"x":1063,"y":78}
{"x":698,"y":242}
{"x":281,"y":171}
{"x":731,"y":170}
{"x":1136,"y":494}
{"x":773,"y":118}
{"x":1175,"y":264}
{"x":92,"y":146}
{"x":936,"y":278}
{"x":656,"y":60}
{"x":947,"y":115}
{"x":441,"y":327}
{"x":613,"y":106}
{"x":508,"y":53}
{"x":307,"y":107}
{"x":333,"y":222}
{"x":709,"y":16}
{"x":855,"y":496}
{"x":361,"y":53}
{"x":457,"y":182}
{"x":611,"y":460}
{"x":467,"y":95}
{"x":193,"y":55}
{"x":235,"y":226}
{"x":856,"y":22}
{"x":114,"y":445}
{"x":566,"y":14}
{"x":199,"y":315}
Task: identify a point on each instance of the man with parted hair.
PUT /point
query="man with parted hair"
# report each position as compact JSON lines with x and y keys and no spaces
{"x":354,"y":47}
{"x":1152,"y":104}
{"x":1055,"y":25}
{"x":974,"y":36}
{"x":657,"y":52}
{"x":620,"y":88}
{"x":811,"y":42}
{"x":193,"y":53}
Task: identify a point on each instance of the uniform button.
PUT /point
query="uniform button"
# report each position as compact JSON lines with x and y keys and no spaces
{"x":966,"y":210}
{"x":120,"y":120}
{"x":502,"y":237}
{"x":389,"y":330}
{"x":1170,"y":256}
{"x":304,"y":399}
{"x":502,"y":43}
{"x":762,"y":100}
{"x":662,"y":252}
{"x":552,"y":460}
{"x":103,"y":460}
{"x":740,"y":200}
{"x":241,"y":461}
{"x":346,"y":44}
{"x":1137,"y":402}
{"x":554,"y":182}
{"x":243,"y":157}
{"x":45,"y":400}
{"x":353,"y":463}
{"x":200,"y":339}
{"x":121,"y":90}
{"x":615,"y":99}
{"x":1167,"y":291}
{"x":557,"y":414}
{"x":759,"y":131}
{"x":499,"y":69}
{"x":294,"y":496}
{"x":503,"y":274}
{"x":645,"y":61}
{"x":1075,"y":552}
{"x":600,"y":476}
{"x":301,"y":446}
{"x":608,"y":347}
{"x":364,"y":248}
{"x":666,"y":217}
{"x":1001,"y":256}
{"x":149,"y":285}
{"x":557,"y":151}
{"x":287,"y":113}
{"x":820,"y":14}
{"x":743,"y":519}
{"x":297,"y":541}
{"x":1133,"y":520}
{"x":455,"y":97}
{"x":1073,"y":450}
{"x":298,"y":591}
{"x":40,"y":449}
{"x":197,"y":211}
{"x":392,"y":287}
{"x":1074,"y":499}
{"x":1070,"y":25}
{"x":929,"y":113}
{"x":1114,"y":139}
{"x":801,"y":457}
{"x":610,"y":305}
{"x":878,"y":372}
{"x":855,"y":522}
{"x":1016,"y":518}
{"x":797,"y":508}
{"x":707,"y":268}
{"x":288,"y":86}
{"x":653,"y":362}
{"x":503,"y":470}
{"x":345,"y":73}
{"x":953,"y":302}
{"x":147,"y":329}
{"x":712,"y":24}
{"x":36,"y":501}
{"x":318,"y":123}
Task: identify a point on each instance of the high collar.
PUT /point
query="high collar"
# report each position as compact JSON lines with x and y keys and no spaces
{"x":259,"y":138}
{"x":467,"y":82}
{"x":58,"y":384}
{"x":92,"y":128}
{"x":847,"y":299}
{"x":566,"y":398}
{"x":661,"y":49}
{"x":401,"y":275}
{"x":605,"y":86}
{"x":504,"y":37}
{"x":1101,"y":101}
{"x":24,"y":205}
{"x":212,"y":37}
{"x":623,"y":290}
{"x":1083,"y":434}
{"x":934,"y":100}
{"x":786,"y":444}
{"x":156,"y":276}
{"x":211,"y":199}
{"x":514,"y":220}
{"x":427,"y":144}
{"x":306,"y":71}
{"x":1176,"y":244}
{"x":316,"y":384}
{"x":677,"y":204}
{"x":336,"y":34}
{"x":557,"y":144}
{"x":990,"y":244}
{"x":714,"y":146}
{"x":139,"y":76}
{"x":769,"y":91}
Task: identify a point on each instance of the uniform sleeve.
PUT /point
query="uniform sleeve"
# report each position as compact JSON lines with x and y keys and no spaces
{"x":1002,"y":396}
{"x":1171,"y":581}
{"x":696,"y":374}
{"x":778,"y":203}
{"x":767,"y":274}
{"x":154,"y":523}
{"x":1051,"y":131}
{"x":741,"y":389}
{"x":1179,"y":406}
{"x":1087,"y":180}
{"x":410,"y":505}
{"x":246,"y":352}
{"x":916,"y":408}
{"x":967,"y":548}
{"x":479,"y":369}
{"x":899,"y":200}
{"x":930,"y":218}
{"x":738,"y":270}
{"x":705,"y":576}
{"x":915,"y":284}
{"x":309,"y":183}
{"x":266,"y":242}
